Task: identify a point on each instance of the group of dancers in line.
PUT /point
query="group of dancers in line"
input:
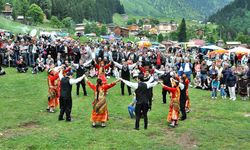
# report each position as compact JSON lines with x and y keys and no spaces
{"x":60,"y":81}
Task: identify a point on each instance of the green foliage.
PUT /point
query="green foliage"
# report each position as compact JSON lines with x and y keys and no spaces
{"x":234,"y":18}
{"x":160,"y":38}
{"x":36,"y":14}
{"x":131,"y":21}
{"x":243,"y":38}
{"x":182,"y":35}
{"x":192,"y":9}
{"x":94,"y":10}
{"x":103,"y":30}
{"x":92,"y":28}
{"x":46,"y":6}
{"x":55,"y":22}
{"x":154,"y":21}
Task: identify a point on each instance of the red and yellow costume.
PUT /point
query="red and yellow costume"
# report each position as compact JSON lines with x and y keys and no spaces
{"x":174,"y":108}
{"x":187,"y":106}
{"x":100,"y":109}
{"x":53,"y":100}
{"x":101,"y":72}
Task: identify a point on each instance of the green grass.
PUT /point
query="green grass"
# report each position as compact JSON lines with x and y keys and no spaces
{"x":212,"y":124}
{"x":17,"y":27}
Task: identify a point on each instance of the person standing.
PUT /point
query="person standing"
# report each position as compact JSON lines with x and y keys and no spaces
{"x":231,"y":84}
{"x":100,"y":109}
{"x":125,"y":74}
{"x":144,"y":102}
{"x":174,"y":108}
{"x":65,"y":94}
{"x":81,"y":70}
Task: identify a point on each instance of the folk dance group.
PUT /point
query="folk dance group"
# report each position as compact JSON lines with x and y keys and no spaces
{"x":60,"y":81}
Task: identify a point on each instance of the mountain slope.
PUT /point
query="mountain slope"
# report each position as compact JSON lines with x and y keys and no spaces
{"x":234,"y":18}
{"x":192,"y":9}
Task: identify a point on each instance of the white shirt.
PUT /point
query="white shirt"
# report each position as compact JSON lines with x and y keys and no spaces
{"x":135,"y":85}
{"x":72,"y":81}
{"x":187,"y":67}
{"x":130,"y":67}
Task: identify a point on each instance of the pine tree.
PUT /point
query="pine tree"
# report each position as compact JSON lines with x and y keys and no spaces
{"x":182,"y":36}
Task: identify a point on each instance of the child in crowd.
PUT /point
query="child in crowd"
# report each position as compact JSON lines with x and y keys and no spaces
{"x":197,"y":81}
{"x":215,"y":87}
{"x":131,"y":107}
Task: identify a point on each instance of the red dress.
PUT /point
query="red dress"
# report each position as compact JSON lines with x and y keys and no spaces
{"x":174,"y":108}
{"x":187,"y":106}
{"x":100,"y":109}
{"x":53,"y":100}
{"x":101,"y":72}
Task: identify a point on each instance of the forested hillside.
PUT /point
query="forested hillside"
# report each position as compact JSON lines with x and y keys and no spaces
{"x":95,"y":10}
{"x":192,"y":9}
{"x":233,"y":19}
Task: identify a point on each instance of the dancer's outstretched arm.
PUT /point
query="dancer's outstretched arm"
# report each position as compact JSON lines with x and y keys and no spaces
{"x":118,"y":65}
{"x":130,"y":84}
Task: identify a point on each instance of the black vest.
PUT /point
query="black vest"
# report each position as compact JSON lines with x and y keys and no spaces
{"x":80,"y":71}
{"x":125,"y":73}
{"x":183,"y":94}
{"x":66,"y":88}
{"x":141,"y":93}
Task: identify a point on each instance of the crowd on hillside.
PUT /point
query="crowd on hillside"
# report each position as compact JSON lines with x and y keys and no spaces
{"x":223,"y":71}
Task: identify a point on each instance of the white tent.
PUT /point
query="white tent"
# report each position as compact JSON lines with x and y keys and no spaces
{"x":212,"y":47}
{"x":239,"y":50}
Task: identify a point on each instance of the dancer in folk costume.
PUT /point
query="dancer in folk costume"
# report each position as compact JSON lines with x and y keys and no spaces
{"x":100,"y":109}
{"x":174,"y":108}
{"x":101,"y":71}
{"x":53,"y":100}
{"x":186,"y":82}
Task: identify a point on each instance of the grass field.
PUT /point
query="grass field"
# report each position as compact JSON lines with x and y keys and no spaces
{"x":212,"y":124}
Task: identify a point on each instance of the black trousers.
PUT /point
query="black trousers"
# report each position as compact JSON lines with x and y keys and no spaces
{"x":182,"y":107}
{"x":164,"y":96}
{"x":141,"y":109}
{"x":122,"y":88}
{"x":65,"y":107}
{"x":83,"y":87}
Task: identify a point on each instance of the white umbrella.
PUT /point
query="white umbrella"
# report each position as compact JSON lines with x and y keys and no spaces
{"x":33,"y":32}
{"x":239,"y":50}
{"x":212,"y":47}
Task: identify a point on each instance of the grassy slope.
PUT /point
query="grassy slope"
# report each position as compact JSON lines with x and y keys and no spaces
{"x":17,"y":27}
{"x":25,"y":124}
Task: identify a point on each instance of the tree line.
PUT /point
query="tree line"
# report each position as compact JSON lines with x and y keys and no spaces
{"x":93,"y":10}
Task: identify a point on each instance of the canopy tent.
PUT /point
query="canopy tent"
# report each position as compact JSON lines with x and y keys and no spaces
{"x":212,"y":47}
{"x":219,"y":51}
{"x":240,"y":50}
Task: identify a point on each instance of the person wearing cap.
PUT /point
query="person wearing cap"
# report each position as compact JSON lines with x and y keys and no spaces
{"x":144,"y":102}
{"x":125,"y":73}
{"x":65,"y":94}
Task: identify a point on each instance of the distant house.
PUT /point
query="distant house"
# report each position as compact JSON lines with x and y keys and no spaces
{"x":7,"y":11}
{"x":153,"y":30}
{"x":80,"y":29}
{"x":121,"y":31}
{"x":133,"y":29}
{"x":165,"y":27}
{"x":146,"y":27}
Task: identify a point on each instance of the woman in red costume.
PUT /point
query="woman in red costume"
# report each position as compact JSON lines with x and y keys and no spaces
{"x":101,"y":71}
{"x":100,"y":109}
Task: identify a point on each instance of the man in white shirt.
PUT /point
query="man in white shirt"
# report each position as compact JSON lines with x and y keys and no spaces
{"x":65,"y":97}
{"x":144,"y":102}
